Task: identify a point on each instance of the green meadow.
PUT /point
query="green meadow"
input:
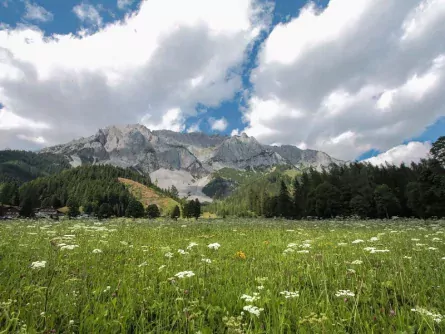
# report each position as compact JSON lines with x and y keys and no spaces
{"x":222,"y":276}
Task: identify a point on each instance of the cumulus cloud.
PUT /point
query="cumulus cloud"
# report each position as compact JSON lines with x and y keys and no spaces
{"x":218,"y":124}
{"x":193,"y":128}
{"x":357,"y":75}
{"x":411,"y":152}
{"x":123,"y":4}
{"x":88,"y":14}
{"x":155,"y":66}
{"x":34,"y":12}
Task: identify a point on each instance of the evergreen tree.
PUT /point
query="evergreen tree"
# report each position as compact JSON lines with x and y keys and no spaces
{"x":175,"y":213}
{"x":73,"y":208}
{"x":327,"y":200}
{"x":283,"y":202}
{"x":104,"y":211}
{"x":438,"y":150}
{"x":386,"y":202}
{"x":174,"y":192}
{"x":153,"y":211}
{"x":26,"y":209}
{"x":359,"y":206}
{"x":135,"y":209}
{"x":197,"y":209}
{"x":297,"y":199}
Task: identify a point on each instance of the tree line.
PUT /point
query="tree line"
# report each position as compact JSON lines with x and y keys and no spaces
{"x":355,"y":189}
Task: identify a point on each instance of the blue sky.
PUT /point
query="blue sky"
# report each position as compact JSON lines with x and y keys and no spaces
{"x":295,"y":75}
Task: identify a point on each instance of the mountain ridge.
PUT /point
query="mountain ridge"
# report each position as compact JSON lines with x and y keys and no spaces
{"x":198,"y":154}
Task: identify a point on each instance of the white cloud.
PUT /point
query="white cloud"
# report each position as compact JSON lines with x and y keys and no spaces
{"x":193,"y":128}
{"x":411,"y":152}
{"x":235,"y":132}
{"x":357,"y":75}
{"x":173,"y":119}
{"x":37,"y":140}
{"x":123,"y":4}
{"x":218,"y":124}
{"x":34,"y":12}
{"x":155,"y":66}
{"x":88,"y":14}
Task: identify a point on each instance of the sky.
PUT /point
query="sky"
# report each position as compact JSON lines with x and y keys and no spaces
{"x":357,"y":79}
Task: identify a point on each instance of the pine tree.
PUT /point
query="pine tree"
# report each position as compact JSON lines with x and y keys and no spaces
{"x":386,"y":202}
{"x":26,"y":210}
{"x":153,"y":211}
{"x":73,"y":208}
{"x":283,"y":202}
{"x":197,"y":209}
{"x":297,"y":199}
{"x":135,"y":209}
{"x":175,"y":213}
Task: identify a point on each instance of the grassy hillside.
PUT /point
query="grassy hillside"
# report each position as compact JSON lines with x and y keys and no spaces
{"x":23,"y":166}
{"x":147,"y":195}
{"x":229,"y":182}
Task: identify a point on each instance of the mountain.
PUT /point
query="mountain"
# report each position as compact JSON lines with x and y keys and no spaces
{"x":186,"y":160}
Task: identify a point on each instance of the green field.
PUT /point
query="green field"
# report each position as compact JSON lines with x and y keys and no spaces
{"x":267,"y":276}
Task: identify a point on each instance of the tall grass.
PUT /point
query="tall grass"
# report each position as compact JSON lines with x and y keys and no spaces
{"x":121,"y":277}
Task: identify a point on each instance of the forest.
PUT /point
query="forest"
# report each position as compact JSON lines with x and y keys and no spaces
{"x":355,"y":189}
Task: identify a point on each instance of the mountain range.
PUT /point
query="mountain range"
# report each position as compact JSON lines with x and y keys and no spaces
{"x":185,"y":160}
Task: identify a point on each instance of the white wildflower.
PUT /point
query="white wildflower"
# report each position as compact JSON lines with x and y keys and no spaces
{"x":38,"y":264}
{"x":358,"y":241}
{"x":290,"y":294}
{"x":374,"y":239}
{"x":415,"y":239}
{"x":182,"y":252}
{"x":191,"y":245}
{"x":432,"y":248}
{"x":407,"y":257}
{"x":253,"y":310}
{"x":143,"y":264}
{"x":305,"y":246}
{"x":342,"y":244}
{"x":260,"y":287}
{"x":250,"y":299}
{"x":68,"y":247}
{"x":168,"y":255}
{"x":71,"y":322}
{"x":435,"y":316}
{"x":357,"y":262}
{"x":292,"y":245}
{"x":124,"y":243}
{"x":206,"y":261}
{"x":379,"y":251}
{"x":108,"y":288}
{"x":184,"y":274}
{"x":304,"y":251}
{"x":352,"y":271}
{"x":369,"y":249}
{"x":344,"y":293}
{"x":162,"y":267}
{"x":97,"y":251}
{"x":214,"y":246}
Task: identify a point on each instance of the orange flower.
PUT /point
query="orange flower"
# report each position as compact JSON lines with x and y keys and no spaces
{"x":241,"y":255}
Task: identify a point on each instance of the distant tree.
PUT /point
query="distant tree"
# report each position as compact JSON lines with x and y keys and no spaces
{"x":175,"y":213}
{"x":359,"y":206}
{"x":73,"y":208}
{"x":197,"y":209}
{"x":104,"y":211}
{"x":327,"y":200}
{"x":283,"y":201}
{"x":88,"y":208}
{"x":55,"y":202}
{"x":174,"y":192}
{"x":46,"y":203}
{"x":153,"y":211}
{"x":386,"y":202}
{"x":135,"y":209}
{"x":26,"y":209}
{"x":297,"y":199}
{"x":438,"y":150}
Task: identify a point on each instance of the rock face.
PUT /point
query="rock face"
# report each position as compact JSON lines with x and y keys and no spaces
{"x":197,"y":154}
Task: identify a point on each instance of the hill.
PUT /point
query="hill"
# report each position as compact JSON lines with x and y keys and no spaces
{"x":91,"y":187}
{"x":147,"y":195}
{"x":23,"y":166}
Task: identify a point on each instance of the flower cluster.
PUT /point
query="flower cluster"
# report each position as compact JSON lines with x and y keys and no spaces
{"x":184,"y":274}
{"x":344,"y":293}
{"x":290,"y":294}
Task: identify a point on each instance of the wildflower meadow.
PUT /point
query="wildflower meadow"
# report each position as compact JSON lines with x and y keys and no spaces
{"x":222,"y":276}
